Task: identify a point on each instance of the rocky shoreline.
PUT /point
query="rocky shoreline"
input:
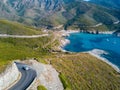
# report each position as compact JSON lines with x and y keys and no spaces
{"x":96,"y":52}
{"x":64,"y":41}
{"x":64,"y":34}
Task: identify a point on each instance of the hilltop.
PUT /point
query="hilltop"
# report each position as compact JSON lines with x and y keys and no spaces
{"x":72,"y":14}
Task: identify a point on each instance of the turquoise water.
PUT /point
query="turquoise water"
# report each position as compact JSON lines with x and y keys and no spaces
{"x":80,"y":42}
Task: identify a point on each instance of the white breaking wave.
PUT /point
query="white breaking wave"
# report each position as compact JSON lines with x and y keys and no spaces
{"x":97,"y":53}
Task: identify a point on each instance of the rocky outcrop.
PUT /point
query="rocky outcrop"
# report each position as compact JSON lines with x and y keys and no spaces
{"x":9,"y":76}
{"x":46,"y":76}
{"x":117,"y":33}
{"x":22,"y":5}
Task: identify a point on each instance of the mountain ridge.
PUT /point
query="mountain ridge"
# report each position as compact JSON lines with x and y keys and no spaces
{"x":72,"y":14}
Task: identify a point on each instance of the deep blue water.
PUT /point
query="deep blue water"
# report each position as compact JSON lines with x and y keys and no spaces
{"x":80,"y":42}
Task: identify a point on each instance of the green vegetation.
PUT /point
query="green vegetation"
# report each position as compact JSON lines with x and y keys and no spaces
{"x":14,"y":28}
{"x":42,"y":60}
{"x":65,"y":82}
{"x":3,"y":65}
{"x":41,"y":88}
{"x":19,"y":48}
{"x":12,"y":48}
{"x":77,"y":71}
{"x":85,"y":15}
{"x":85,"y":72}
{"x":74,"y":14}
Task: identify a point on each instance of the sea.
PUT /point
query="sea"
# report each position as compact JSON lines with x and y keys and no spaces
{"x":83,"y":42}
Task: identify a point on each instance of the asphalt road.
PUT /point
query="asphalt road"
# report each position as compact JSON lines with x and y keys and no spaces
{"x":26,"y":79}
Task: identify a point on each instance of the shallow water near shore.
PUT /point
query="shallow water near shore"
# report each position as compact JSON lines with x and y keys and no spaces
{"x":81,"y":42}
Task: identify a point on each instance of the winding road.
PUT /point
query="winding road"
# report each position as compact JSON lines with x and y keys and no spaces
{"x":27,"y":77}
{"x":22,"y":36}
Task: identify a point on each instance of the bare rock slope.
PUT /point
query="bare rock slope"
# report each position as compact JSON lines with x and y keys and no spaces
{"x":46,"y":76}
{"x":9,"y":76}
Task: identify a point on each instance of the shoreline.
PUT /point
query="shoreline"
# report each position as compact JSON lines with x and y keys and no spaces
{"x":106,"y":32}
{"x":67,"y":33}
{"x":95,"y":52}
{"x":63,"y":40}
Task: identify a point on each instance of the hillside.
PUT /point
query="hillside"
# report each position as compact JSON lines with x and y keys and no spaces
{"x":6,"y":11}
{"x":25,"y":48}
{"x":14,"y":28}
{"x":13,"y":48}
{"x":30,"y":11}
{"x":77,"y":71}
{"x":85,"y":72}
{"x":86,"y":16}
{"x":72,"y":14}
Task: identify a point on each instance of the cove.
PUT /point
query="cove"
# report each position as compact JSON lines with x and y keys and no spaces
{"x":81,"y":42}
